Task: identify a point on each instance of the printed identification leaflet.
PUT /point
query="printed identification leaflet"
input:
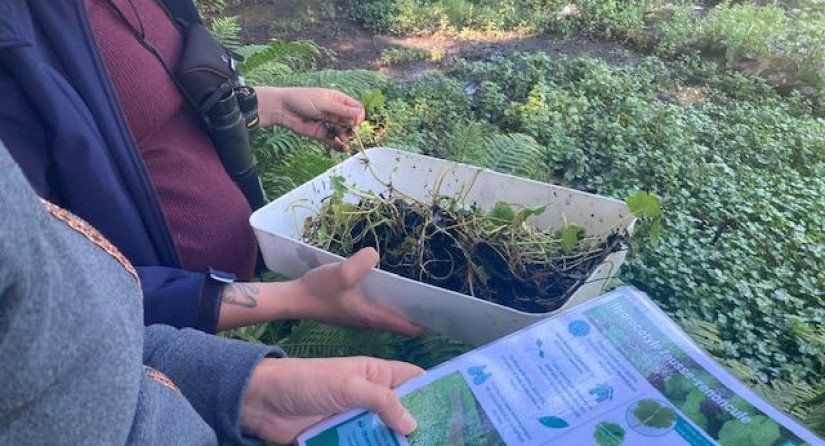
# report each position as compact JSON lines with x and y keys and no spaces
{"x":614,"y":371}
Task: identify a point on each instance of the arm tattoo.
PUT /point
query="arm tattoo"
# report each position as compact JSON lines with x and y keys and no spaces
{"x":241,"y":294}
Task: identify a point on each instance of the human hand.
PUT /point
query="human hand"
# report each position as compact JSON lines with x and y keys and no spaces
{"x":330,"y":293}
{"x":285,"y":396}
{"x":321,"y":113}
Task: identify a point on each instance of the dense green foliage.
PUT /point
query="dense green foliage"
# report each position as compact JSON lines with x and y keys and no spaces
{"x":789,"y":39}
{"x":402,"y":56}
{"x":738,"y":166}
{"x":739,"y":169}
{"x":739,"y":172}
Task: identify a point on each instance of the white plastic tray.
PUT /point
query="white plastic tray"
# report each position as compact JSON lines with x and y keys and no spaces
{"x":278,"y":227}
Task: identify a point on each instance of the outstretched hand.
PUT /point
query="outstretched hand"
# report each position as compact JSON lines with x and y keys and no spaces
{"x":328,"y":293}
{"x":321,"y":113}
{"x":285,"y":396}
{"x":331,"y":294}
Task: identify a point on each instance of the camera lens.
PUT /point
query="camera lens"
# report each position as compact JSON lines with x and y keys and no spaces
{"x":248,"y":102}
{"x":230,"y":136}
{"x":226,"y":111}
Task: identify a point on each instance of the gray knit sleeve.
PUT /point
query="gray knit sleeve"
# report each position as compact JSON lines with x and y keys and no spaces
{"x":211,"y":372}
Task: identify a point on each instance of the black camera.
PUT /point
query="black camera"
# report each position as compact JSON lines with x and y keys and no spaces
{"x":231,"y":122}
{"x":207,"y":76}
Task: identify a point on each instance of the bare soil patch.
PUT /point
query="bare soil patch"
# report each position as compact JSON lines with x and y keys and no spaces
{"x":347,"y":45}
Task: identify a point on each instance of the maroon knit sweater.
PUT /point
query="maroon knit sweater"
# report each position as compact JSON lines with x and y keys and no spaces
{"x":206,"y":213}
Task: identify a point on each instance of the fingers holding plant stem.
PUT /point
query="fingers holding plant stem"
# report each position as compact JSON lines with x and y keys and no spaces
{"x":337,"y":135}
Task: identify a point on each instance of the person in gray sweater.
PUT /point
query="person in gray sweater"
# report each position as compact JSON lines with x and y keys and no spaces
{"x":78,"y":366}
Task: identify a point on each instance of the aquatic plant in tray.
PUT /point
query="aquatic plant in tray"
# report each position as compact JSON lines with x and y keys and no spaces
{"x":494,"y":254}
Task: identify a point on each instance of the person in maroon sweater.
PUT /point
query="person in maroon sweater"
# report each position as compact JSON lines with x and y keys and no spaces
{"x":206,"y":213}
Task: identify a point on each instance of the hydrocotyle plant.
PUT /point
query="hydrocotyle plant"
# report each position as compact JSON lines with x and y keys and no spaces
{"x":494,"y":254}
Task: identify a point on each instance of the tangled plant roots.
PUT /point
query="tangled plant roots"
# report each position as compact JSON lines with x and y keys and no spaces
{"x":496,"y":255}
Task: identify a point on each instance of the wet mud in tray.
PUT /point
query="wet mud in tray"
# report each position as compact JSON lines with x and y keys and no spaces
{"x":496,"y":255}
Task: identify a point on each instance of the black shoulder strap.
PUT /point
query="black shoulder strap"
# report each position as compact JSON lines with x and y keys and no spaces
{"x":181,"y":10}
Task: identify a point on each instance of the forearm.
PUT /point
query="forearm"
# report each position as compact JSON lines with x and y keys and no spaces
{"x":328,"y":293}
{"x":251,"y":303}
{"x":270,"y":108}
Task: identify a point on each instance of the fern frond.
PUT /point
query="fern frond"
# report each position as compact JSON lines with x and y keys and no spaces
{"x":227,"y":31}
{"x":211,"y":6}
{"x":355,"y":83}
{"x":413,"y":142}
{"x":269,"y":74}
{"x":815,"y":418}
{"x":800,"y":399}
{"x":291,"y":164}
{"x":466,"y":144}
{"x":810,"y":405}
{"x":304,"y":166}
{"x":275,"y":185}
{"x":429,"y":350}
{"x":299,"y":56}
{"x":703,"y":333}
{"x":311,"y":339}
{"x":513,"y":153}
{"x":740,"y":370}
{"x":251,"y":333}
{"x":276,"y":143}
{"x":794,"y":398}
{"x":268,"y":333}
{"x":252,"y":48}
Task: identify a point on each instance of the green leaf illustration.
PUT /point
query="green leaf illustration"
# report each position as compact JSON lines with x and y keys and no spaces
{"x":653,"y":414}
{"x":608,"y":434}
{"x":692,"y":407}
{"x":553,"y":422}
{"x":677,"y":387}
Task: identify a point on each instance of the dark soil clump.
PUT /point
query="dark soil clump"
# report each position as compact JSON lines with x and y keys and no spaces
{"x":497,"y":256}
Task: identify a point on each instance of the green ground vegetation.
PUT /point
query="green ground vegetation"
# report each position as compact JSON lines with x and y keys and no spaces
{"x":738,"y":164}
{"x":739,"y":169}
{"x":786,"y":36}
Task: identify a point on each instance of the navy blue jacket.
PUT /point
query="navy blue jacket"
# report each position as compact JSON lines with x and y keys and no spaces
{"x":61,"y":121}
